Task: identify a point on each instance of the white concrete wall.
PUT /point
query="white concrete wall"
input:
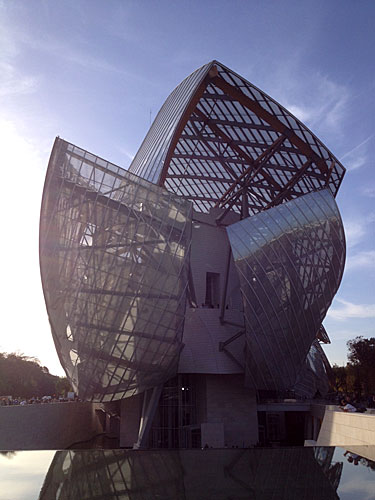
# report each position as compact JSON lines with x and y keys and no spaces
{"x":209,"y":253}
{"x":47,"y":426}
{"x":363,"y":451}
{"x":131,"y":409}
{"x":203,"y":330}
{"x":345,"y":429}
{"x":202,"y":334}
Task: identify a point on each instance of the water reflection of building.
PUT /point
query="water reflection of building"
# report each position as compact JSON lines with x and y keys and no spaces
{"x":192,"y":474}
{"x":332,"y":470}
{"x":113,"y":474}
{"x":200,"y":277}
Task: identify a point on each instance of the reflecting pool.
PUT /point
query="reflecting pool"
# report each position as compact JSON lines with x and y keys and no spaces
{"x":279,"y":473}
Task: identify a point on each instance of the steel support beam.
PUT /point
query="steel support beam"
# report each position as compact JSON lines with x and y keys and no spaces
{"x":254,"y":169}
{"x":289,"y":186}
{"x":231,"y":339}
{"x":272,"y":120}
{"x":224,"y":294}
{"x":150,"y":404}
{"x":180,"y":127}
{"x":248,"y":160}
{"x":192,"y":298}
{"x":252,"y":144}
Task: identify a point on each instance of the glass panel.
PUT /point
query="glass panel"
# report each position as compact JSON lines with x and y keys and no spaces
{"x":289,"y":276}
{"x":114,"y":269}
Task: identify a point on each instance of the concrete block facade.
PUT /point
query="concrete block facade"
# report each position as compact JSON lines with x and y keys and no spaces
{"x":203,"y":332}
{"x":47,"y":426}
{"x":345,"y":429}
{"x":203,"y":329}
{"x":209,"y":253}
{"x":130,"y":417}
{"x":230,"y":403}
{"x":213,"y":435}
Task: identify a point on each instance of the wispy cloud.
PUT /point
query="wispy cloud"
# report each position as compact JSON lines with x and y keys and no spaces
{"x":354,"y":162}
{"x":358,"y":228}
{"x":12,"y":80}
{"x":357,"y":156}
{"x":13,"y":83}
{"x":340,"y":332}
{"x":316,"y":99}
{"x":88,"y":61}
{"x":361,"y":260}
{"x":349,"y":310}
{"x":75,"y":52}
{"x":360,"y":487}
{"x":355,"y":231}
{"x":369,"y":192}
{"x":125,"y":152}
{"x":358,"y":146}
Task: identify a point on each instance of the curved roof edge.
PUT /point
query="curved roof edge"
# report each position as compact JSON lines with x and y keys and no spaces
{"x":216,"y":132}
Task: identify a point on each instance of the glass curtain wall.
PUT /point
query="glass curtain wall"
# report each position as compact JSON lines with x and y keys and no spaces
{"x":290,"y":261}
{"x":114,"y":253}
{"x":175,"y":423}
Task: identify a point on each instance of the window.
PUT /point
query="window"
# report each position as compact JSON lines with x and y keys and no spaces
{"x":212,"y":290}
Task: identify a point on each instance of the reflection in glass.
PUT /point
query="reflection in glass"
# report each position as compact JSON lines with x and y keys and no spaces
{"x":294,"y":473}
{"x":315,"y":374}
{"x":114,"y":256}
{"x":289,"y":276}
{"x":358,"y":472}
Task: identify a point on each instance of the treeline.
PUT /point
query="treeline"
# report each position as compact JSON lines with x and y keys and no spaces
{"x":358,"y":376}
{"x":23,"y":376}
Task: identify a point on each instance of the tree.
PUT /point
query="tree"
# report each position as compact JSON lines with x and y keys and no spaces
{"x":23,"y":376}
{"x":340,"y":378}
{"x":63,"y":386}
{"x":362,"y":361}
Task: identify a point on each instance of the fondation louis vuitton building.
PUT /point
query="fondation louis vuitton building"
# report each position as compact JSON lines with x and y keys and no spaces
{"x":197,"y":279}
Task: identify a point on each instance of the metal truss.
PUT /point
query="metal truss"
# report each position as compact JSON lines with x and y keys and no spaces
{"x":115,"y":244}
{"x":220,"y":141}
{"x":114,"y":254}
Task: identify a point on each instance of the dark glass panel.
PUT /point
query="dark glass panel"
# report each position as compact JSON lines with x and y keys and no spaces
{"x":289,"y":276}
{"x":114,"y":269}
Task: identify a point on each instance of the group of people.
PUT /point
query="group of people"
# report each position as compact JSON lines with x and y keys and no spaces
{"x":353,"y":404}
{"x":9,"y":401}
{"x":355,"y":459}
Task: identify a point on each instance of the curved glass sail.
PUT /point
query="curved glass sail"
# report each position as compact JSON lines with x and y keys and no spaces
{"x":114,"y":254}
{"x":314,"y":378}
{"x":290,"y":260}
{"x":218,"y":139}
{"x":115,"y":244}
{"x":150,"y":158}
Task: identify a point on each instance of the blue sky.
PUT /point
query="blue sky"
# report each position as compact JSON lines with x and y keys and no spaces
{"x":96,"y":72}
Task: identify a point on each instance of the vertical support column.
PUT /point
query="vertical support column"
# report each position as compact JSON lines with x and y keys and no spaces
{"x":224,"y":294}
{"x":244,"y":204}
{"x":316,"y":428}
{"x":309,"y":427}
{"x":150,"y":403}
{"x":130,"y":411}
